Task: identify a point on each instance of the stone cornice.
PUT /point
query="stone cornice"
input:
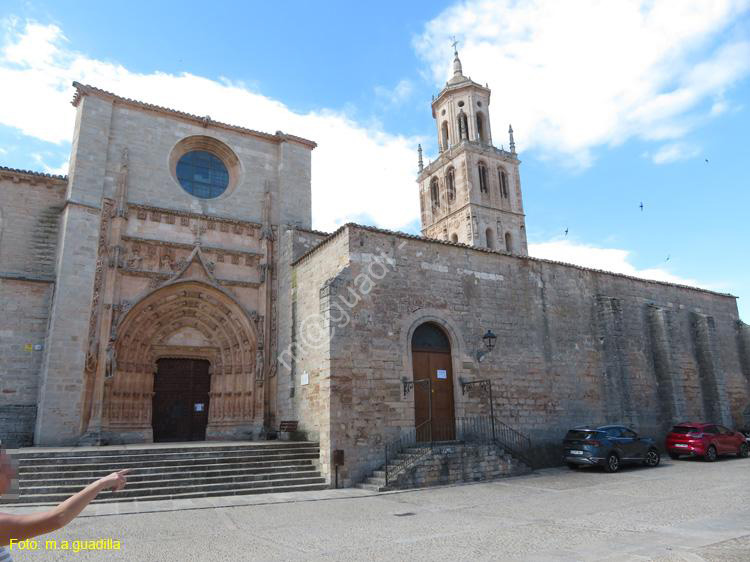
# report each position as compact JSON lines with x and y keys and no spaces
{"x":22,"y":276}
{"x":165,"y":276}
{"x":205,"y":121}
{"x":189,"y":214}
{"x":466,"y":145}
{"x":479,"y":205}
{"x":185,"y":246}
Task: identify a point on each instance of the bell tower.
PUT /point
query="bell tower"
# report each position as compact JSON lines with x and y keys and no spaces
{"x":472,"y":192}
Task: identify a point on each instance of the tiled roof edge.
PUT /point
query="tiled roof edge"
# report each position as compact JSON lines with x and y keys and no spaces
{"x":488,"y":251}
{"x":33,"y":174}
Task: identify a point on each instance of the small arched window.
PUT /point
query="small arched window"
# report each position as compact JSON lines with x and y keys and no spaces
{"x":450,"y":183}
{"x":502,"y":178}
{"x":480,"y":127}
{"x":463,"y":126}
{"x":482,"y":177}
{"x":454,"y":238}
{"x":508,"y":242}
{"x":444,"y":135}
{"x":435,"y":192}
{"x":490,"y":236}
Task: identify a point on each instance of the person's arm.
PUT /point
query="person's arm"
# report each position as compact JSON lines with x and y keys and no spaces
{"x":22,"y":527}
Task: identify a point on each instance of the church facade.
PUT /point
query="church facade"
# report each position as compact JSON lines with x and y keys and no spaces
{"x":171,"y":289}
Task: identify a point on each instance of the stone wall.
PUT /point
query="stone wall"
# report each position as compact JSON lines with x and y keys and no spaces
{"x":451,"y":464}
{"x":293,"y":243}
{"x":30,"y":206}
{"x":305,"y":372}
{"x":24,"y":310}
{"x":574,"y":345}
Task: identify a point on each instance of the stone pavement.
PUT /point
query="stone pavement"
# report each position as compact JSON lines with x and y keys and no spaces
{"x":682,"y":510}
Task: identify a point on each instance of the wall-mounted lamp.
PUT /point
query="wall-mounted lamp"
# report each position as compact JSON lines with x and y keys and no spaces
{"x":489,"y":340}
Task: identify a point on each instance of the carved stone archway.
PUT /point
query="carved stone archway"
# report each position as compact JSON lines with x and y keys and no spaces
{"x":186,"y":319}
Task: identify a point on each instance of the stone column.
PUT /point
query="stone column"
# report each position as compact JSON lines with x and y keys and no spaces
{"x":617,"y":405}
{"x":715,"y":401}
{"x":62,"y":384}
{"x":670,"y":384}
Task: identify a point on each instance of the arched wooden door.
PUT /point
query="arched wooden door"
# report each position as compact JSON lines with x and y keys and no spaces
{"x":434,"y":415}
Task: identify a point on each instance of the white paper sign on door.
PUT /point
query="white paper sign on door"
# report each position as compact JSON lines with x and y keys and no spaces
{"x":442,"y":374}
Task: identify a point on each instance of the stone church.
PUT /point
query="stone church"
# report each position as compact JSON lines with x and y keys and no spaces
{"x":170,"y":288}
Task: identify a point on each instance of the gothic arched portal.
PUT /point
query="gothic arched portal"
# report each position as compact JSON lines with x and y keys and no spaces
{"x":185,"y":320}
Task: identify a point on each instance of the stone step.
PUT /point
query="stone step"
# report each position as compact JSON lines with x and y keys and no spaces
{"x":48,"y":475}
{"x":75,"y":479}
{"x":375,"y":481}
{"x":153,"y":494}
{"x":66,"y":488}
{"x":109,"y":450}
{"x":371,"y":487}
{"x":214,"y":468}
{"x":188,"y":458}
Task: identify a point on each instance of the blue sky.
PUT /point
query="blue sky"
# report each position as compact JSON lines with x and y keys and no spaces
{"x":612,"y":103}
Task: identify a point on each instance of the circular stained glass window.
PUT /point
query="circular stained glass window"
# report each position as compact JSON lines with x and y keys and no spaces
{"x":202,"y":174}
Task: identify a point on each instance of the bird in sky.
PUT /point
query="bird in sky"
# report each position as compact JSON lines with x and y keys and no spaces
{"x":566,"y":231}
{"x":641,"y":205}
{"x":668,"y":256}
{"x":706,"y":160}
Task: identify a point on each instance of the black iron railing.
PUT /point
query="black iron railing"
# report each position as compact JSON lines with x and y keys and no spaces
{"x":480,"y":430}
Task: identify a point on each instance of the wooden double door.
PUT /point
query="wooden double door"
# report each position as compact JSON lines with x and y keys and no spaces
{"x":181,"y":400}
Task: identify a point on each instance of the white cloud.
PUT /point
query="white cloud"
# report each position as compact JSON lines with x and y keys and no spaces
{"x":398,"y":94}
{"x":607,"y":259}
{"x":351,"y":164}
{"x":674,"y":152}
{"x":572,"y":76}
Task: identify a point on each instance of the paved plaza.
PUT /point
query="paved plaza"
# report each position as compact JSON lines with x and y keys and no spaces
{"x":683,"y":510}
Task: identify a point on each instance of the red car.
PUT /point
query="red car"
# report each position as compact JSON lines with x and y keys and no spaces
{"x":705,"y":440}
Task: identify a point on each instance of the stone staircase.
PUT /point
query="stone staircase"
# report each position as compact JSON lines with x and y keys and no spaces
{"x":444,"y":463}
{"x":169,"y":471}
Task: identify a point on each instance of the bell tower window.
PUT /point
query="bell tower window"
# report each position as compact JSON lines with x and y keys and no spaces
{"x":490,"y":237}
{"x":503,"y":182}
{"x":450,"y":183}
{"x":463,"y":126}
{"x":480,"y":128}
{"x":434,"y":192}
{"x":482,"y":177}
{"x":508,"y":242}
{"x":445,"y":140}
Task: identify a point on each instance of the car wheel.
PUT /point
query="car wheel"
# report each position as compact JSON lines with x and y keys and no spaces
{"x":652,"y":458}
{"x":572,"y":466}
{"x":743,"y":452}
{"x":710,"y":454}
{"x":613,"y":463}
{"x":674,"y":456}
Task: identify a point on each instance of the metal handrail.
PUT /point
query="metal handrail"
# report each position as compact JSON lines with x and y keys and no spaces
{"x":472,"y":429}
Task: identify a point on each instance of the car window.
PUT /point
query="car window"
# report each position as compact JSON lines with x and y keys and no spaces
{"x":723,"y":430}
{"x":682,"y":430}
{"x":710,"y":429}
{"x":628,"y":433}
{"x":578,"y":434}
{"x":613,"y":432}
